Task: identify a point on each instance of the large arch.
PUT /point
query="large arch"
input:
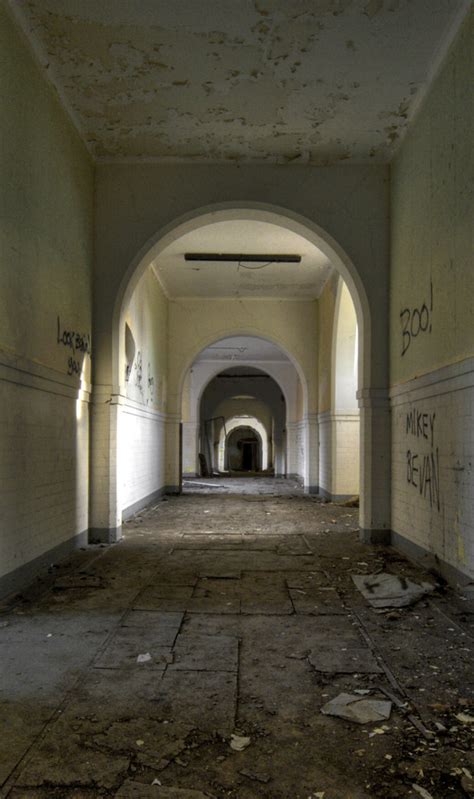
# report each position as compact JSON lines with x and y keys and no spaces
{"x":265,"y":212}
{"x":375,"y":464}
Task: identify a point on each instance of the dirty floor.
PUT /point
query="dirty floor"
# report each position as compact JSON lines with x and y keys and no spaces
{"x":225,"y":612}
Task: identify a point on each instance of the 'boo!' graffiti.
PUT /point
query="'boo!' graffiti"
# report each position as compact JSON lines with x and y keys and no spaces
{"x":415,"y":321}
{"x":79,"y":345}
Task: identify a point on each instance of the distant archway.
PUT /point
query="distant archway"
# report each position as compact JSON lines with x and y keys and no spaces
{"x":248,"y":423}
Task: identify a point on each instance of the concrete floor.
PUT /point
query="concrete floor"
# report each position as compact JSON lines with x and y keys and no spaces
{"x":244,"y":608}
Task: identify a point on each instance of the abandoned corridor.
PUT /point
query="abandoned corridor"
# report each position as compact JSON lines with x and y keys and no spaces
{"x":247,"y":621}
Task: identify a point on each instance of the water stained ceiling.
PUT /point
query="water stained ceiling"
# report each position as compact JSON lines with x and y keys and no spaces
{"x":304,"y":280}
{"x":278,"y":81}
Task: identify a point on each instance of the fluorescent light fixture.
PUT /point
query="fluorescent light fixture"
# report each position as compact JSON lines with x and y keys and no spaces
{"x":242,"y":258}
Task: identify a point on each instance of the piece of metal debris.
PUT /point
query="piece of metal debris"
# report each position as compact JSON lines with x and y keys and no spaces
{"x":251,"y":775}
{"x":353,"y":708}
{"x":386,"y":590}
{"x":239,"y":742}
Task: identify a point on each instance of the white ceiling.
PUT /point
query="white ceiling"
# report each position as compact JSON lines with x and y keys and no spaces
{"x":242,"y":349}
{"x":310,"y":81}
{"x":181,"y":278}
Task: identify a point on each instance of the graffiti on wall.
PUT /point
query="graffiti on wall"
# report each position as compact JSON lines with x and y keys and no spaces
{"x":150,"y":385}
{"x":416,"y":321}
{"x":422,"y":459}
{"x":78,"y":344}
{"x":138,"y":371}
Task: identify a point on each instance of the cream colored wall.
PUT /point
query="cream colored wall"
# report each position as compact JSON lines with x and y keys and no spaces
{"x":326,"y":308}
{"x":433,"y":223}
{"x":344,"y":377}
{"x":433,"y":280}
{"x":46,"y":212}
{"x":193,"y":324}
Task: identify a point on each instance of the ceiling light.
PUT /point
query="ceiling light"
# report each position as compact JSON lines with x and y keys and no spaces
{"x":242,"y":258}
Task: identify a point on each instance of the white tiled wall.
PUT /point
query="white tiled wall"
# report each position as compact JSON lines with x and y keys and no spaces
{"x":44,"y":461}
{"x":433,"y":459}
{"x":142,"y":440}
{"x":339,"y":453}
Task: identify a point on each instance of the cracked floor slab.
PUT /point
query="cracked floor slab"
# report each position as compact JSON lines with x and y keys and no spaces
{"x":84,"y":719}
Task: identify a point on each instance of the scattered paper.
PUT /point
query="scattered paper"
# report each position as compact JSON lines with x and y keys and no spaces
{"x":386,"y":590}
{"x":361,"y":711}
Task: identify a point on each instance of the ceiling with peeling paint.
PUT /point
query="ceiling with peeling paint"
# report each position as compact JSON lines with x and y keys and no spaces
{"x":180,"y":278}
{"x":278,"y":81}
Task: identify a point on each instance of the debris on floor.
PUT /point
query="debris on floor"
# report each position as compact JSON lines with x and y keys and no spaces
{"x":144,"y":658}
{"x":138,"y":790}
{"x":251,"y":622}
{"x":357,"y":709}
{"x":239,"y":742}
{"x":386,"y":590}
{"x":422,"y":792}
{"x":251,"y":775}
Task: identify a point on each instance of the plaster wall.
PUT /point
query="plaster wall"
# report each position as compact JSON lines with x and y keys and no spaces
{"x":46,"y":210}
{"x":326,"y":308}
{"x":339,"y":424}
{"x":432,"y":319}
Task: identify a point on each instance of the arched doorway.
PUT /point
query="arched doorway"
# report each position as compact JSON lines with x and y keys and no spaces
{"x":262,"y":384}
{"x":374,"y":415}
{"x":243,"y":450}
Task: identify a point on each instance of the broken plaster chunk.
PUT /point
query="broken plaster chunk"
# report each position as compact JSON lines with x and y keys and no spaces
{"x":145,"y":658}
{"x":465,"y":718}
{"x":360,"y":711}
{"x":239,"y":742}
{"x":422,"y":792}
{"x":386,"y":590}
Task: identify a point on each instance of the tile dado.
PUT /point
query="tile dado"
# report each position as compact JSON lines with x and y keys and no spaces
{"x":432,"y":464}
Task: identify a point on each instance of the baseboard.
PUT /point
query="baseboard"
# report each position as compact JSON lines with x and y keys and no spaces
{"x":294,"y":476}
{"x":430,"y":561}
{"x":136,"y":507}
{"x":375,"y":536}
{"x":335,"y":497}
{"x":104,"y":535}
{"x":20,"y":577}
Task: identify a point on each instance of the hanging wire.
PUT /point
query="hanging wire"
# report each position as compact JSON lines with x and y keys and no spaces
{"x":254,"y":268}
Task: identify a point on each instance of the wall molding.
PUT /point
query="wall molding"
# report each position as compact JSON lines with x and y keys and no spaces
{"x":31,"y":374}
{"x":339,"y":416}
{"x":445,"y":380}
